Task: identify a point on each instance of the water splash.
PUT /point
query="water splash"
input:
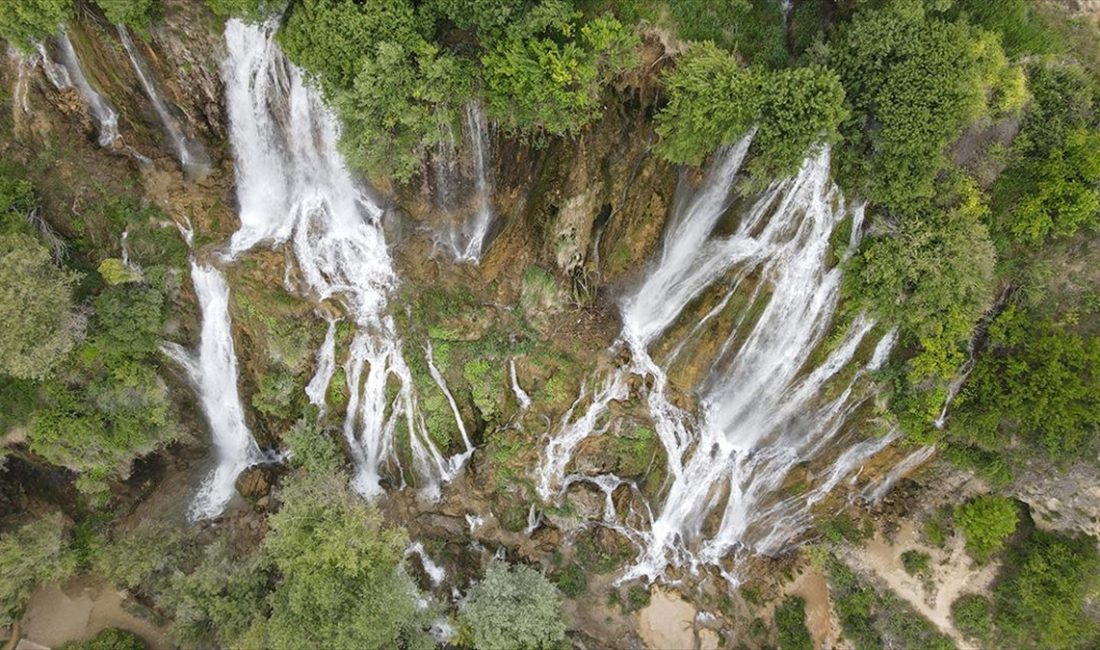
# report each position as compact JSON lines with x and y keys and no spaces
{"x":470,"y":223}
{"x":213,"y":371}
{"x":72,"y":74}
{"x":189,"y":152}
{"x":763,"y":406}
{"x":522,"y":398}
{"x":293,"y":188}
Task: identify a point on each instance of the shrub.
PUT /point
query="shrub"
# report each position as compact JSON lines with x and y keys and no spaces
{"x":713,"y":101}
{"x":916,"y":562}
{"x":513,"y":607}
{"x":1041,"y":597}
{"x":546,"y":77}
{"x":131,"y":560}
{"x":111,"y":638}
{"x":31,"y":554}
{"x":24,"y":22}
{"x":973,"y":616}
{"x":36,"y":308}
{"x":138,"y":14}
{"x":572,"y":580}
{"x":912,"y":83}
{"x":790,"y":620}
{"x":342,"y":578}
{"x":986,"y":522}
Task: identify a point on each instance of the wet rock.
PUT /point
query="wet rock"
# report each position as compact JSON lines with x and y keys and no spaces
{"x":587,"y":500}
{"x":547,"y":538}
{"x":255,"y":482}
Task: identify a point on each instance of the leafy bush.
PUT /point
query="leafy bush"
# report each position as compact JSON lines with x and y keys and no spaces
{"x":912,"y":83}
{"x":713,"y":101}
{"x":916,"y":562}
{"x":1041,"y":597}
{"x":790,"y":620}
{"x":973,"y":616}
{"x":755,"y":28}
{"x":1038,"y":381}
{"x":36,"y":308}
{"x":24,"y":22}
{"x":111,"y":638}
{"x":138,"y":14}
{"x":986,"y":522}
{"x":131,"y":560}
{"x":572,"y":580}
{"x":31,"y":554}
{"x":313,"y":447}
{"x":342,"y":579}
{"x":546,"y":77}
{"x":933,"y":276}
{"x":513,"y":607}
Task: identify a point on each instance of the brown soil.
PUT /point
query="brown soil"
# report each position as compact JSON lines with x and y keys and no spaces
{"x":80,"y":608}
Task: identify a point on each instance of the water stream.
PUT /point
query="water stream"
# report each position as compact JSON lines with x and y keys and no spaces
{"x":471,"y":213}
{"x":294,"y":189}
{"x":763,"y":405}
{"x":213,"y":371}
{"x":190,"y":154}
{"x":72,"y":75}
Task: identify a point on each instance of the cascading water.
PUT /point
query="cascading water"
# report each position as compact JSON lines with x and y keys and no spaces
{"x":213,"y":371}
{"x":189,"y":152}
{"x":763,"y":409}
{"x":472,"y":218}
{"x":71,"y":74}
{"x":293,"y":188}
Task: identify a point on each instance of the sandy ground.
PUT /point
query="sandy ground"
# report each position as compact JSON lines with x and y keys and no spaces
{"x":953,"y":573}
{"x":80,"y":608}
{"x":820,"y":618}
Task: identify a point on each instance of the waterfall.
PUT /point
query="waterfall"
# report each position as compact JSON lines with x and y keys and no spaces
{"x":293,"y":188}
{"x":763,"y":407}
{"x":470,"y":222}
{"x":72,"y":75}
{"x":189,"y":152}
{"x":213,"y":371}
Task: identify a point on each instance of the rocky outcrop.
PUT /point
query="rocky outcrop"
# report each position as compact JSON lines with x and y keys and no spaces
{"x":1065,"y":499}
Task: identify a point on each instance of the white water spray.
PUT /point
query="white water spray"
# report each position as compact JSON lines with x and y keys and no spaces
{"x":466,"y":235}
{"x":189,"y":152}
{"x":213,"y":371}
{"x":294,"y":188}
{"x":105,"y":116}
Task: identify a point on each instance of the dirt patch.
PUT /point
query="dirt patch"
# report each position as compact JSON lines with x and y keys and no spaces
{"x":80,"y":608}
{"x":824,"y":627}
{"x":667,"y":622}
{"x":952,"y":573}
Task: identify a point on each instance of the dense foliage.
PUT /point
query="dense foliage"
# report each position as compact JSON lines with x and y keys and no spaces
{"x":714,"y":101}
{"x":138,"y":14}
{"x":23,"y":22}
{"x":790,"y":620}
{"x":986,"y":522}
{"x":33,"y":553}
{"x":513,"y":607}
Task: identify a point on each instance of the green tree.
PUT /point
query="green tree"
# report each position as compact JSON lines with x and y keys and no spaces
{"x":986,"y":522}
{"x":1041,"y":597}
{"x":790,"y":620}
{"x":138,"y":14}
{"x":111,"y":638}
{"x":40,"y":326}
{"x":547,"y":76}
{"x":1038,"y":381}
{"x":513,"y":607}
{"x":342,"y":579}
{"x":713,"y":101}
{"x":35,"y":552}
{"x":932,"y":274}
{"x":24,"y":22}
{"x":972,"y":614}
{"x":912,"y":83}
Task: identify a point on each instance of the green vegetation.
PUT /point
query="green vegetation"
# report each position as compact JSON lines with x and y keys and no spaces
{"x":986,"y":521}
{"x":23,"y":22}
{"x":138,"y":14}
{"x":912,"y":81}
{"x":916,"y":562}
{"x":878,"y":620}
{"x":713,"y":101}
{"x":973,"y":617}
{"x":35,"y":552}
{"x":111,"y":638}
{"x":512,"y":607}
{"x":36,"y":299}
{"x":790,"y":620}
{"x":1041,"y":596}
